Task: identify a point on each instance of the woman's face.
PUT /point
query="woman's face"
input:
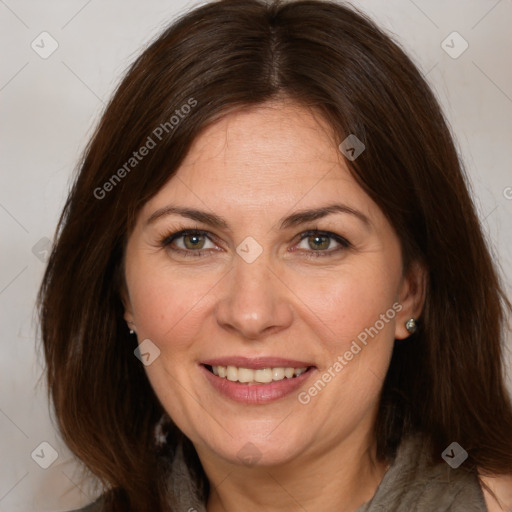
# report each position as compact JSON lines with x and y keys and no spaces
{"x":245,"y":300}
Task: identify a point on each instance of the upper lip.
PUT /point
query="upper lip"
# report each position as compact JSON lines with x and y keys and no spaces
{"x":257,"y":362}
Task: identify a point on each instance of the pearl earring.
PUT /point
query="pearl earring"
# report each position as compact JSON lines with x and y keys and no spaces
{"x":411,"y":325}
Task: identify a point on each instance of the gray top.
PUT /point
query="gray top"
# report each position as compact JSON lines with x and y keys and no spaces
{"x":409,"y":485}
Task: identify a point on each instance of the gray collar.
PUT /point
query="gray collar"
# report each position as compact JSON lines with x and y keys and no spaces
{"x":411,"y":484}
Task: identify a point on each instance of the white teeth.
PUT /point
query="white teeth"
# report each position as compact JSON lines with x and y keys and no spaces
{"x":288,"y":372}
{"x":260,"y":376}
{"x":232,"y":373}
{"x":263,"y":376}
{"x":245,"y":375}
{"x":277,"y":373}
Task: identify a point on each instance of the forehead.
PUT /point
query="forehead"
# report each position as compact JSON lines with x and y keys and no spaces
{"x":272,"y":157}
{"x":276,"y":136}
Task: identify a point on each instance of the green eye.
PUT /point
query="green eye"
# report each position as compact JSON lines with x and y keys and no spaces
{"x":188,"y":242}
{"x":318,"y":243}
{"x":193,"y":241}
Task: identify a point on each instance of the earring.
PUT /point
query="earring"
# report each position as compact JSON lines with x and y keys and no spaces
{"x":132,"y":331}
{"x":411,"y":325}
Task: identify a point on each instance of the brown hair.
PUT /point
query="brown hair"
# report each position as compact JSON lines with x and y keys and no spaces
{"x":446,"y":381}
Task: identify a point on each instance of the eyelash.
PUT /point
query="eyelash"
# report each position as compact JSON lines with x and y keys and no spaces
{"x":168,"y":239}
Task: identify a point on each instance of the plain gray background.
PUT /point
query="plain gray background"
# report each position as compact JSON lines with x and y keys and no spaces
{"x":49,"y":107}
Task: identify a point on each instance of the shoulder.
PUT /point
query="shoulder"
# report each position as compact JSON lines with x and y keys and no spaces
{"x":501,"y":486}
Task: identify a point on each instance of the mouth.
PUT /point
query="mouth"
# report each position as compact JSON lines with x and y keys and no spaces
{"x":252,"y":376}
{"x":257,"y":380}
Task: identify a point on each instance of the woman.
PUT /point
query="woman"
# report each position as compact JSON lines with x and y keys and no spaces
{"x":270,"y":289}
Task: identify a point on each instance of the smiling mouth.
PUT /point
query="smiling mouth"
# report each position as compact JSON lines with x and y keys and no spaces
{"x":256,"y":376}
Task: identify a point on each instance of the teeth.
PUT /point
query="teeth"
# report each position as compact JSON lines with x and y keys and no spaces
{"x":277,"y":373}
{"x":264,"y":376}
{"x":232,"y":373}
{"x":299,"y":371}
{"x":261,"y":376}
{"x":245,"y":375}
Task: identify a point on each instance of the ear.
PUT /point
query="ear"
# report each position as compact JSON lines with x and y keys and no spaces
{"x":128,"y":310}
{"x":128,"y":316}
{"x":411,"y":298}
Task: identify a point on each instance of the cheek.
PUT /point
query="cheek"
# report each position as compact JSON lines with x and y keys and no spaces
{"x":356,"y":317}
{"x":345,"y":303}
{"x":168,"y":305}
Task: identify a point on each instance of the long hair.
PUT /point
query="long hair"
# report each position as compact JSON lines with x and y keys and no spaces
{"x":445,"y":382}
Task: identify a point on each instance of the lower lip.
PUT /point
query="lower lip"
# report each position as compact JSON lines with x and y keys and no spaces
{"x":256,"y":393}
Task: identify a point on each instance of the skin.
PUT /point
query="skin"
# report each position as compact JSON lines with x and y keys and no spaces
{"x":501,"y":486}
{"x":253,"y":168}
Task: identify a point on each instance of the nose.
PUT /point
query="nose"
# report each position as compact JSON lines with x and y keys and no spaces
{"x":254,"y":301}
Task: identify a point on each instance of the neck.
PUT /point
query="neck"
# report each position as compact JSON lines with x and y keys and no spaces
{"x":340,"y":479}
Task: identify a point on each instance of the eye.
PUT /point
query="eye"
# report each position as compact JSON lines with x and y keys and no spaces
{"x":197,"y":243}
{"x":188,"y":242}
{"x":319,"y":243}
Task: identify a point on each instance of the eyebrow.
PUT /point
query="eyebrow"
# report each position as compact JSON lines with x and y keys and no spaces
{"x":295,"y":219}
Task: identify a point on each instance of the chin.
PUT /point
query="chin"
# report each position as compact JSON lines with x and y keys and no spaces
{"x":252,"y":450}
